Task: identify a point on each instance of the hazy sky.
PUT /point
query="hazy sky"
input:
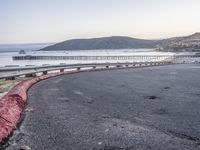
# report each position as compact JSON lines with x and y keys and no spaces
{"x":30,"y":21}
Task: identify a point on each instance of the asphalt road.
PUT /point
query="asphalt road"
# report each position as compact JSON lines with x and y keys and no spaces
{"x":156,"y":108}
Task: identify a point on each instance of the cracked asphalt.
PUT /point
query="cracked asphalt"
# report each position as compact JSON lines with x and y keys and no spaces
{"x":154,"y":108}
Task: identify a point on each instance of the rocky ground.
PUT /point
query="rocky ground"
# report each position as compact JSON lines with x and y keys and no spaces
{"x":5,"y":85}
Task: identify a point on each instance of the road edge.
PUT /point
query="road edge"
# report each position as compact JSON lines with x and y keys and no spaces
{"x":12,"y":104}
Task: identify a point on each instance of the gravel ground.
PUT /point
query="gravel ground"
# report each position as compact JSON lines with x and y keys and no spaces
{"x":6,"y":85}
{"x":155,"y":108}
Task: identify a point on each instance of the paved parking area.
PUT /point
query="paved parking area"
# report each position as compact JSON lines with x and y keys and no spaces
{"x":131,"y":109}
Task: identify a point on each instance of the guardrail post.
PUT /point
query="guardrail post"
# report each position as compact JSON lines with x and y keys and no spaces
{"x":107,"y":66}
{"x":78,"y":68}
{"x":10,"y":78}
{"x":118,"y":66}
{"x":44,"y":72}
{"x":61,"y":70}
{"x":94,"y":67}
{"x":30,"y":75}
{"x":126,"y":65}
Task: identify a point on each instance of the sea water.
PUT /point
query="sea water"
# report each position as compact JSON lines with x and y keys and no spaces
{"x":6,"y":57}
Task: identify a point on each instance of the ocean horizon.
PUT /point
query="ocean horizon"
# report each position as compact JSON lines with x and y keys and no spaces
{"x":5,"y":48}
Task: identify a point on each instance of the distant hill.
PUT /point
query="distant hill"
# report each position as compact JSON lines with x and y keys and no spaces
{"x":187,"y":43}
{"x":115,"y":42}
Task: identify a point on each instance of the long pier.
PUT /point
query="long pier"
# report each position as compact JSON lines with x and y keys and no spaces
{"x":132,"y":58}
{"x":135,"y":57}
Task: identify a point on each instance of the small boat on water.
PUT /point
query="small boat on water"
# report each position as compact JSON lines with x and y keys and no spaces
{"x":22,"y":52}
